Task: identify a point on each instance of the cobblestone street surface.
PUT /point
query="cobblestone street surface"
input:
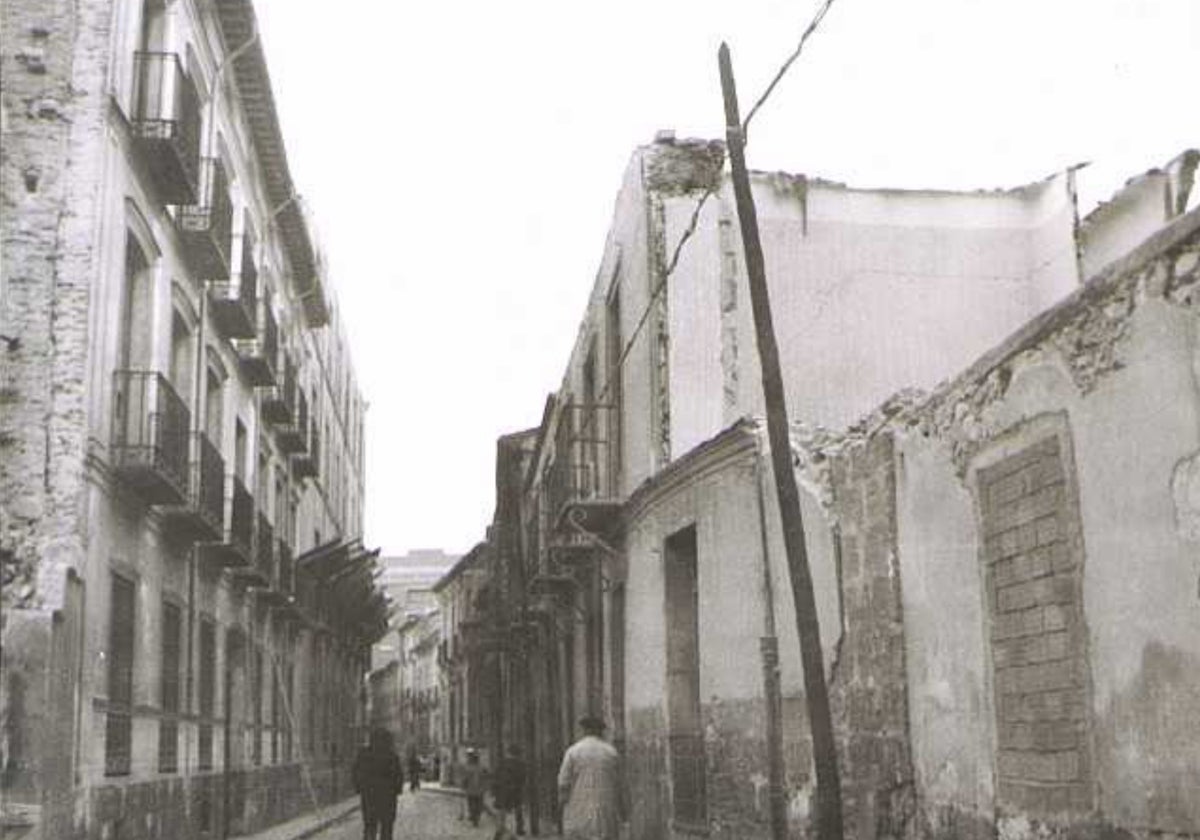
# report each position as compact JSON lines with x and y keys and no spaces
{"x":426,"y":813}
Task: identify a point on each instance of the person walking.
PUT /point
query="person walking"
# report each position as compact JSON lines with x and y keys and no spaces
{"x":473,"y":786}
{"x":508,"y":792}
{"x":589,"y":786}
{"x":414,"y":771}
{"x":378,"y":779}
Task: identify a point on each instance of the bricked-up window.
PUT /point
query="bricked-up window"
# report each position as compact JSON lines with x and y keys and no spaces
{"x":118,"y":728}
{"x":1033,"y":588}
{"x":684,"y":730}
{"x":168,"y":726}
{"x":208,"y":690}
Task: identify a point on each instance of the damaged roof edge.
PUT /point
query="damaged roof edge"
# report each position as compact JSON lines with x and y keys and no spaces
{"x":239,"y":24}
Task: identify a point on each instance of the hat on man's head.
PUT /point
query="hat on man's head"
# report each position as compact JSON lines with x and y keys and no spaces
{"x":591,"y":724}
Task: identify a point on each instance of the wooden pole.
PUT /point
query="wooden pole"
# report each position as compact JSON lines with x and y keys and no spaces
{"x":829,"y":797}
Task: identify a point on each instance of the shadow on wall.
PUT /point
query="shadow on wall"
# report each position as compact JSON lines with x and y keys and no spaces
{"x":1142,"y":727}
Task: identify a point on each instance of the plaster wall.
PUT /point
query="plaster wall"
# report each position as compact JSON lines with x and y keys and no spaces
{"x":1115,"y":228}
{"x":1132,"y":428}
{"x":888,"y":290}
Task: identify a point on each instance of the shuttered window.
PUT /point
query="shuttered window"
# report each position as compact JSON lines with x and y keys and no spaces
{"x":256,"y":699}
{"x":168,"y":728}
{"x":118,"y":735}
{"x":208,"y":673}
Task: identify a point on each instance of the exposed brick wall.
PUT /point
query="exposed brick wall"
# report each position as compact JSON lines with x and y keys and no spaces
{"x":869,"y":689}
{"x":1034,"y":599}
{"x":53,"y":66}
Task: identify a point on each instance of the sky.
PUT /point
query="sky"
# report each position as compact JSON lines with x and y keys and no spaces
{"x":462,"y":158}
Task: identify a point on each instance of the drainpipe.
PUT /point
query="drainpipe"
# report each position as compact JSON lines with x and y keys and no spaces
{"x":769,"y":650}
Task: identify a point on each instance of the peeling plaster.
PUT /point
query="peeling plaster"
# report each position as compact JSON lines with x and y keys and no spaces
{"x":1185,"y":490}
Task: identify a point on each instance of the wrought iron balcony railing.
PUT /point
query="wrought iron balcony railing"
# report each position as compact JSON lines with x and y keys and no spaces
{"x":580,"y":470}
{"x":235,"y":303}
{"x":259,"y":356}
{"x":166,"y":125}
{"x":234,"y":547}
{"x":150,"y":436}
{"x":207,"y":226}
{"x":305,"y":463}
{"x":277,"y":403}
{"x":202,"y":515}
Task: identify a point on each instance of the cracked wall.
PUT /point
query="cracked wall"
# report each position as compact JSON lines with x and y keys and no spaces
{"x":1113,"y":367}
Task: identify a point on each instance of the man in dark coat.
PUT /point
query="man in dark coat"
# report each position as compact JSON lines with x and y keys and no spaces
{"x":378,"y":779}
{"x":508,"y":791}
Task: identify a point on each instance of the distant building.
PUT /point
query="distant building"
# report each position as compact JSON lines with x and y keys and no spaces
{"x":187,"y":611}
{"x":420,"y":684}
{"x":995,"y":431}
{"x":408,"y":580}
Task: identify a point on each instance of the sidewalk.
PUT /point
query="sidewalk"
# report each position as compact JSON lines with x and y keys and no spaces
{"x":308,"y":824}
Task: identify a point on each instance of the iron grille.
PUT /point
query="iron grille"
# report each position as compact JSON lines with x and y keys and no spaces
{"x":166,"y":108}
{"x":241,"y":517}
{"x":210,"y":476}
{"x":150,"y":427}
{"x":264,"y":557}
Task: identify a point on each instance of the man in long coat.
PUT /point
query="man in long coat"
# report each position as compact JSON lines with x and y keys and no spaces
{"x":589,"y":786}
{"x":378,"y":779}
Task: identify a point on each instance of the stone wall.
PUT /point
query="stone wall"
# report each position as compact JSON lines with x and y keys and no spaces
{"x":53,"y":67}
{"x":868,"y":688}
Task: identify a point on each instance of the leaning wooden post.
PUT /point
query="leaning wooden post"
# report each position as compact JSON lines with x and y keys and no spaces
{"x":829,"y":796}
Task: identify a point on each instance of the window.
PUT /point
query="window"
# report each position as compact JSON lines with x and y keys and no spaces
{"x":168,"y":727}
{"x":182,"y":358}
{"x":256,"y":698}
{"x":214,"y":406}
{"x":118,"y":734}
{"x":134,"y":350}
{"x":207,"y":679}
{"x":613,"y":349}
{"x":684,"y":729}
{"x":1035,"y":603}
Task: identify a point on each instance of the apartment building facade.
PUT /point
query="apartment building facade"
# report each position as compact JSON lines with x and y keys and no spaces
{"x":638,"y":568}
{"x":186,"y":623}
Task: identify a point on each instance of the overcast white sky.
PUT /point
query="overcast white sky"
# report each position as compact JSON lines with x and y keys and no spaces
{"x":462,"y":159}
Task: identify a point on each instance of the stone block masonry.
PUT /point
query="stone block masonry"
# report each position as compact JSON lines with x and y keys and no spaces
{"x":868,"y":686}
{"x":1039,"y":664}
{"x":53,"y":65}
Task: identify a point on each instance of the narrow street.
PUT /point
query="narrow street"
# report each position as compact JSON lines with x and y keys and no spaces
{"x":426,"y":813}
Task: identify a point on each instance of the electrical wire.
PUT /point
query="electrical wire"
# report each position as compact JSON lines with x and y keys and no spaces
{"x":812,"y":27}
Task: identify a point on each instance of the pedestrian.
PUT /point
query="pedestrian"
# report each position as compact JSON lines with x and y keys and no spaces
{"x":378,"y":780}
{"x":414,"y":771}
{"x":508,"y":789}
{"x":473,"y":785}
{"x":589,"y":786}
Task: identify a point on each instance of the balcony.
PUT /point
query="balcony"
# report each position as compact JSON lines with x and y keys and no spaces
{"x":305,"y":463}
{"x":166,"y":125}
{"x":150,"y":436}
{"x":235,"y":304}
{"x":277,"y":402}
{"x":261,"y":569}
{"x":580,"y":488}
{"x":206,"y":227}
{"x":201,"y":517}
{"x":234,"y":548}
{"x":292,"y":436}
{"x":286,"y":580}
{"x":259,"y":357}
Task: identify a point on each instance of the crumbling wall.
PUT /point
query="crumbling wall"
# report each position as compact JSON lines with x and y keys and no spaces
{"x":1039,"y":673}
{"x":53,"y":67}
{"x":868,"y":688}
